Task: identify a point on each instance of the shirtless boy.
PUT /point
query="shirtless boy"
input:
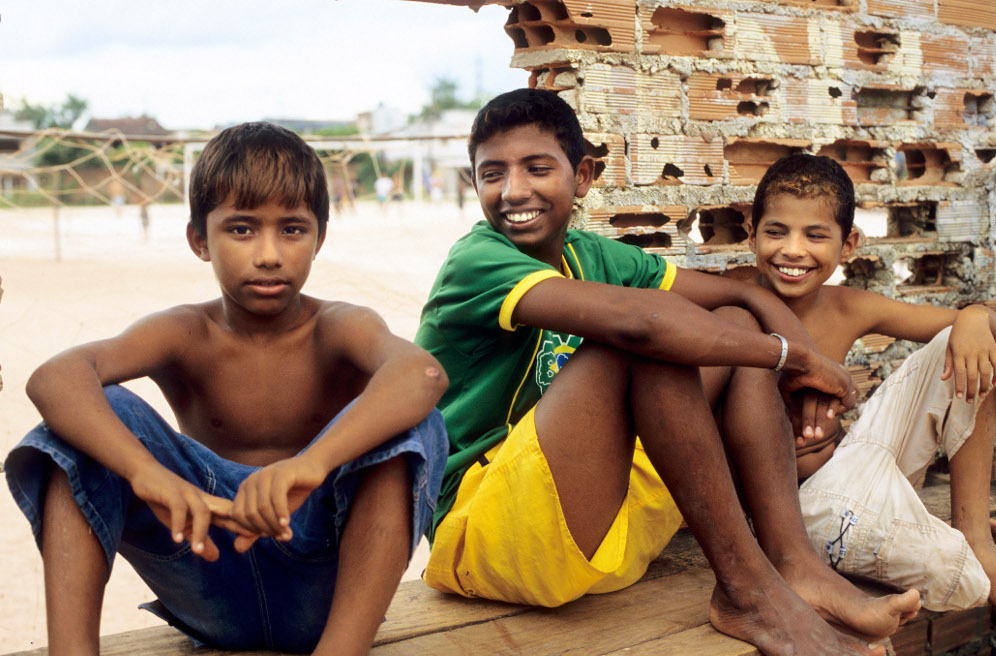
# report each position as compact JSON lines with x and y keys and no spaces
{"x":548,"y":494}
{"x":308,"y":432}
{"x":858,"y":502}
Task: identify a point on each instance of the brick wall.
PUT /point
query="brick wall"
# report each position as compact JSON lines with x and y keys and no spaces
{"x":686,"y":103}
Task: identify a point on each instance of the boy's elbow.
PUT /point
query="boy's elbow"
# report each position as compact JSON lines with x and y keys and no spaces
{"x":434,"y":377}
{"x":40,"y":381}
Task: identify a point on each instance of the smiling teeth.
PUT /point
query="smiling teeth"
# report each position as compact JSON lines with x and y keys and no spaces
{"x":521,"y":217}
{"x":790,"y":271}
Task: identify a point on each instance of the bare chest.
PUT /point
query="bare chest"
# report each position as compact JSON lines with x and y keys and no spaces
{"x":261,"y":405}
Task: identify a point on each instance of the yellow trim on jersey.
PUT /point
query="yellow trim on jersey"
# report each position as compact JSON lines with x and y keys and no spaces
{"x":576,"y":261}
{"x":529,"y":370}
{"x":669,"y":275}
{"x":514,"y":296}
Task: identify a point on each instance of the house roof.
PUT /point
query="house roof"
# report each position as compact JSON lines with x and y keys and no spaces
{"x":142,"y":125}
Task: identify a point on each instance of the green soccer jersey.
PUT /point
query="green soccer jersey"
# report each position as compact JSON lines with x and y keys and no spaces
{"x":497,"y":370}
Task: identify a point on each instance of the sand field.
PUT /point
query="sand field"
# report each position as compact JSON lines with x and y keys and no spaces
{"x":110,"y":274}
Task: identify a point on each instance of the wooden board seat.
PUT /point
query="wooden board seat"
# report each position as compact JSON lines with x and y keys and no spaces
{"x":665,"y":613}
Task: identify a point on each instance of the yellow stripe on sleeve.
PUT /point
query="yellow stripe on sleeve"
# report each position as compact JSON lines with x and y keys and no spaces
{"x":514,"y":296}
{"x":669,"y":275}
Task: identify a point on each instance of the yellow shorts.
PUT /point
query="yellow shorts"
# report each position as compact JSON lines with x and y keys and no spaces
{"x":506,"y":538}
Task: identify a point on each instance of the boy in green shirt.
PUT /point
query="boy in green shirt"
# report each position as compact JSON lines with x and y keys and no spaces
{"x":858,"y":499}
{"x":548,"y":493}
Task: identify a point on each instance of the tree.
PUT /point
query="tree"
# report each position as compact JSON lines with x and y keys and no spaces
{"x":443,"y":96}
{"x":53,"y":116}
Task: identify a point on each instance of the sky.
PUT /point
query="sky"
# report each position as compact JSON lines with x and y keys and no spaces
{"x":201,"y":63}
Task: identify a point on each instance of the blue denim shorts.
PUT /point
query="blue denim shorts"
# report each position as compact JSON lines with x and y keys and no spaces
{"x":276,"y":595}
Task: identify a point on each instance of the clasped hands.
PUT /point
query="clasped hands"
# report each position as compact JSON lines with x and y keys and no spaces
{"x":261,"y":508}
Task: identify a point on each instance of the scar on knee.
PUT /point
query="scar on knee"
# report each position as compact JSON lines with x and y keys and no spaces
{"x":432,"y":372}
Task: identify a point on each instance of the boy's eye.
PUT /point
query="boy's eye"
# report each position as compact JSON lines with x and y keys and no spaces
{"x":239,"y":230}
{"x":488,"y":176}
{"x":539,"y":170}
{"x":294,"y":230}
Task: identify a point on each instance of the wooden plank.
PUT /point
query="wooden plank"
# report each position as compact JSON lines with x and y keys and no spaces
{"x":699,"y":641}
{"x":648,"y":610}
{"x":417,"y":609}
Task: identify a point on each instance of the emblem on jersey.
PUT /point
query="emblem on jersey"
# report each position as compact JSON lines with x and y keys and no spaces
{"x":553,"y":354}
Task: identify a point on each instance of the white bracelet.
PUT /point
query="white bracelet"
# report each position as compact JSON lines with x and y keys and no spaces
{"x":785,"y":351}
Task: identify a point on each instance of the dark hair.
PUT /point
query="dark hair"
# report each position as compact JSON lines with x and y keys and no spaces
{"x":256,"y":163}
{"x":805,"y":176}
{"x":525,"y":107}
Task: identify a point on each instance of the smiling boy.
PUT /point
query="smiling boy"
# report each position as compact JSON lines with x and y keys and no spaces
{"x":548,"y":494}
{"x":308,"y":431}
{"x":858,"y":500}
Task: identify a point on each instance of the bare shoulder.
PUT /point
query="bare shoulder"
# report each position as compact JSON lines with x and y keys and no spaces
{"x":870,"y":312}
{"x":345,"y":319}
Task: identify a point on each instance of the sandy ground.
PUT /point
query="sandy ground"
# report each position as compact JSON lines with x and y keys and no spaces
{"x":110,"y":275}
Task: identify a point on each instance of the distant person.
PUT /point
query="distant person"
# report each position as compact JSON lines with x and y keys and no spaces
{"x":383,"y":186}
{"x":143,"y":216}
{"x":562,"y":347}
{"x":858,"y":501}
{"x":311,"y":453}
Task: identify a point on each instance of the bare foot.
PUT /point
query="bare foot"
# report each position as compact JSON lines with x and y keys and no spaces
{"x":839,"y":602}
{"x":779,"y":623}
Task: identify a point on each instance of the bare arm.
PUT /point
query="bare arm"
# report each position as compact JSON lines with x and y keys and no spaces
{"x":405,"y":384}
{"x":668,"y":326}
{"x":68,"y":392}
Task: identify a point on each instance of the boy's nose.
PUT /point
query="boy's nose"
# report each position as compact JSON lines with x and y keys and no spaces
{"x":795,"y":245}
{"x":267,"y":255}
{"x":516,"y":187}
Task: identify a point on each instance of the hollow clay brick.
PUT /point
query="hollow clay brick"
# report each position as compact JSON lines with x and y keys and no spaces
{"x":775,"y":38}
{"x":928,"y":163}
{"x":685,"y":31}
{"x":609,"y":151}
{"x":971,"y":13}
{"x":983,"y":57}
{"x":950,"y":108}
{"x":962,"y":220}
{"x":646,"y":223}
{"x":817,"y":101}
{"x":616,"y":16}
{"x":944,"y":55}
{"x":859,"y":158}
{"x":749,"y":158}
{"x":675,"y":159}
{"x":721,"y":96}
{"x":622,"y":90}
{"x":916,"y":9}
{"x":545,"y":24}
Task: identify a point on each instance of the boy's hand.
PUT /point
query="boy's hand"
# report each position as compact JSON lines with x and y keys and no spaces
{"x":811,"y":417}
{"x":971,"y":353}
{"x":267,"y":498}
{"x":185,"y":509}
{"x":831,"y":384}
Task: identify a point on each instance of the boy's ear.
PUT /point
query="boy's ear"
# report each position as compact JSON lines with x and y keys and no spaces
{"x":321,"y":240}
{"x":198,"y":243}
{"x":584,"y":176}
{"x":850,"y":244}
{"x":751,"y":237}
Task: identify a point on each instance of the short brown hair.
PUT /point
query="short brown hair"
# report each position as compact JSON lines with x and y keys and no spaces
{"x":257,"y":163}
{"x":808,"y":176}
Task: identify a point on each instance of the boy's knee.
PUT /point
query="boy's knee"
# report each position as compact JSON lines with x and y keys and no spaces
{"x":738,"y":316}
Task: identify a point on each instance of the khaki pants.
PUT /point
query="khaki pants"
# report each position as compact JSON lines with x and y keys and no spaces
{"x":861,"y":509}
